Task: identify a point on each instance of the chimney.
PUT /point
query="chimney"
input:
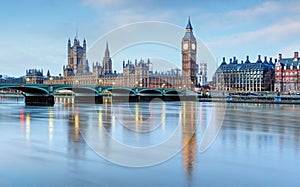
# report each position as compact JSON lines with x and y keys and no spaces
{"x":234,"y":59}
{"x":230,"y":62}
{"x":266,"y":61}
{"x":295,"y":56}
{"x":247,"y":59}
{"x":280,"y":56}
{"x":223,"y":63}
{"x":258,"y":60}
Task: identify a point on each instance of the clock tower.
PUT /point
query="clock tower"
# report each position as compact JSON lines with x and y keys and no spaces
{"x":189,"y":51}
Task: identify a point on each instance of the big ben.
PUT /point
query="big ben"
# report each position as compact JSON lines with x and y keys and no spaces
{"x":189,"y":52}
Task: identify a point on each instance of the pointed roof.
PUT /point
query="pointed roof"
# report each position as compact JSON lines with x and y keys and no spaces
{"x":189,"y":25}
{"x":107,"y":50}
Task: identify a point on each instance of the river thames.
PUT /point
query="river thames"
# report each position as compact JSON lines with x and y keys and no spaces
{"x":99,"y":145}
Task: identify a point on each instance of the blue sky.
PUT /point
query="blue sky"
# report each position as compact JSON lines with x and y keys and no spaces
{"x":34,"y":33}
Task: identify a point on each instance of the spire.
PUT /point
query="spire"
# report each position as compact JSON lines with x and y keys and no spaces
{"x":106,"y":50}
{"x":189,"y":25}
{"x":84,"y":43}
{"x":69,"y":43}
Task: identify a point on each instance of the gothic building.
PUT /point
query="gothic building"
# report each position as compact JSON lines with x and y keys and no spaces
{"x":34,"y":76}
{"x":189,"y":52}
{"x":245,"y":76}
{"x":287,"y":73}
{"x":137,"y":74}
{"x":77,"y":62}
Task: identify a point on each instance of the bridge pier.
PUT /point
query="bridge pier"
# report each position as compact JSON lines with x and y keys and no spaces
{"x":89,"y":99}
{"x":39,"y":100}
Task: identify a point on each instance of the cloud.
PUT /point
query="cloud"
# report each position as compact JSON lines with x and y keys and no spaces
{"x":250,"y":18}
{"x":268,"y":28}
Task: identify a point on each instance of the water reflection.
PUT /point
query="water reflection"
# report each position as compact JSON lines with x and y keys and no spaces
{"x":256,"y":143}
{"x":27,"y":119}
{"x":271,"y":124}
{"x":51,"y":127}
{"x":189,"y":137}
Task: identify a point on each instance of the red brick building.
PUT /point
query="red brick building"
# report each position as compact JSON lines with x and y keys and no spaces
{"x":287,"y":73}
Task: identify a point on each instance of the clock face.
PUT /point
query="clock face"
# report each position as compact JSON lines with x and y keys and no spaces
{"x":193,"y":46}
{"x":185,"y":45}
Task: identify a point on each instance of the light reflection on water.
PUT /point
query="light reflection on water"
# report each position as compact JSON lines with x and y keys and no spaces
{"x":258,"y":145}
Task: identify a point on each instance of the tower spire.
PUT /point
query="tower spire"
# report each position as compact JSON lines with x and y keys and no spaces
{"x":189,"y":25}
{"x":107,"y":50}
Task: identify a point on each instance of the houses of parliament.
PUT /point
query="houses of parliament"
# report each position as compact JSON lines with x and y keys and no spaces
{"x":137,"y":73}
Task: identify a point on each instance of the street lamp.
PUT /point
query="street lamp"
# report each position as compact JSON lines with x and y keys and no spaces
{"x":51,"y":80}
{"x":27,"y":80}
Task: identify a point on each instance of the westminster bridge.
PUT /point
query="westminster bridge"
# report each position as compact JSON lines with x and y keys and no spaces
{"x":43,"y":94}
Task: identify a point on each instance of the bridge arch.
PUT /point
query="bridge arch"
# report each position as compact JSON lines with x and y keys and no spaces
{"x":77,"y":89}
{"x":173,"y":92}
{"x":150,"y":91}
{"x":119,"y":90}
{"x":27,"y":89}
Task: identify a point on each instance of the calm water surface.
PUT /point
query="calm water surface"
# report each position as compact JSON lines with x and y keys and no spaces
{"x":258,"y":145}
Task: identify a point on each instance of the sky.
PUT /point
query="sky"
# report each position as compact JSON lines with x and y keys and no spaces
{"x":34,"y":33}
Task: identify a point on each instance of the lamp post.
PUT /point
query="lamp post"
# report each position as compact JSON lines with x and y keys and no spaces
{"x":27,"y":80}
{"x":51,"y":85}
{"x":100,"y":81}
{"x":51,"y":80}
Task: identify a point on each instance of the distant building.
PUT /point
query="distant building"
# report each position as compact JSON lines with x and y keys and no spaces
{"x":34,"y":76}
{"x":287,"y":73}
{"x":137,"y":74}
{"x":6,"y":79}
{"x":202,"y":75}
{"x":245,"y":76}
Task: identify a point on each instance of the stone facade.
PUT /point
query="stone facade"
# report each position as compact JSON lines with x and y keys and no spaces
{"x":77,"y":62}
{"x":137,"y":74}
{"x":34,"y":76}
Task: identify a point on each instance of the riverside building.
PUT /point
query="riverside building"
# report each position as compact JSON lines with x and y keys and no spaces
{"x":245,"y":76}
{"x":287,"y":73}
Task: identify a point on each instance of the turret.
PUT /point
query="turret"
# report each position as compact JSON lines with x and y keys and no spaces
{"x":84,"y":44}
{"x":69,"y":43}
